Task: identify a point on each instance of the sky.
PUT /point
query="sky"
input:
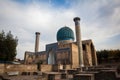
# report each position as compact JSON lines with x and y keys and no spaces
{"x":100,"y":21}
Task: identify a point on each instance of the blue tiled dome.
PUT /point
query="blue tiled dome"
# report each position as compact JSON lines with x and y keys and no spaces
{"x":65,"y":33}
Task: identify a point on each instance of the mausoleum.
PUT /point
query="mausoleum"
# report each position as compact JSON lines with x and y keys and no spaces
{"x":65,"y":51}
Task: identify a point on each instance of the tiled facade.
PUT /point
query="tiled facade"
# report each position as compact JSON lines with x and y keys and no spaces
{"x":64,"y":54}
{"x":65,"y":51}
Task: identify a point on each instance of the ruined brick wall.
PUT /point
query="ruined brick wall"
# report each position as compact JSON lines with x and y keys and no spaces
{"x":2,"y":68}
{"x":46,"y":68}
{"x":20,"y":67}
{"x":17,"y":67}
{"x":68,"y":66}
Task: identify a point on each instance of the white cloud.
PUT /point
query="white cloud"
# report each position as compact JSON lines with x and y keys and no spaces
{"x":100,"y":20}
{"x":24,"y":21}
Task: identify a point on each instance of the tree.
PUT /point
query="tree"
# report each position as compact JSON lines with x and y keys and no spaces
{"x":105,"y":54}
{"x":108,"y":55}
{"x":8,"y":46}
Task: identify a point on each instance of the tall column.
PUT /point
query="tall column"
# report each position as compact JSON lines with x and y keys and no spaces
{"x":37,"y":41}
{"x":78,"y":40}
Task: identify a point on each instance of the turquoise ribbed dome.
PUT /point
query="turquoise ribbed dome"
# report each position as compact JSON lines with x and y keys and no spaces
{"x":65,"y":33}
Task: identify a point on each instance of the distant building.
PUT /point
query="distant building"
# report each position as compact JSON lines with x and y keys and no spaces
{"x":65,"y":50}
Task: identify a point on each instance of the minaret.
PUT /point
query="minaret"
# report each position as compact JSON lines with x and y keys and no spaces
{"x":78,"y":40}
{"x":37,"y":41}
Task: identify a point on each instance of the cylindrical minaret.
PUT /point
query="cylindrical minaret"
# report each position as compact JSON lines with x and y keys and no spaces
{"x":37,"y":41}
{"x":78,"y":40}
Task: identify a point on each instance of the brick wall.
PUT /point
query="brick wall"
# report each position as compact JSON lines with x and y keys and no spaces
{"x":75,"y":59}
{"x":46,"y":68}
{"x":17,"y":67}
{"x":2,"y":68}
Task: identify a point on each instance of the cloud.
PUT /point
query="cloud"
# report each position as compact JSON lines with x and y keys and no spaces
{"x":99,"y":21}
{"x":24,"y":21}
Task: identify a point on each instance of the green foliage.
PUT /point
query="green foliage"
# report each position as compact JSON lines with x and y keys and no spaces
{"x":108,"y":55}
{"x":102,"y":54}
{"x":8,"y":46}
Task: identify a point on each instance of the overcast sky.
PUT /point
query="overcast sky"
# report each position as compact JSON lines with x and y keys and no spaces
{"x":100,"y":21}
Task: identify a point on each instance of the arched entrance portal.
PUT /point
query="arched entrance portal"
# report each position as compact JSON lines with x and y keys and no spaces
{"x":51,"y":58}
